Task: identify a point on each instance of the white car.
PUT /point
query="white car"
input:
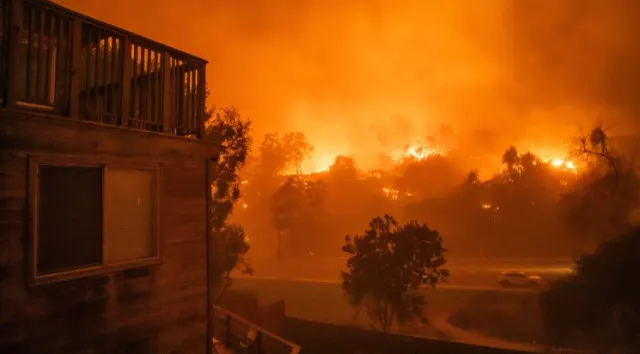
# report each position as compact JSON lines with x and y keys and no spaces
{"x":521,"y":279}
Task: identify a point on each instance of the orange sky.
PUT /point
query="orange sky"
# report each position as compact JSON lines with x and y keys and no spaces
{"x":360,"y":77}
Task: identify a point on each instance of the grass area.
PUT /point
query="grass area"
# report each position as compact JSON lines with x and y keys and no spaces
{"x":512,"y":316}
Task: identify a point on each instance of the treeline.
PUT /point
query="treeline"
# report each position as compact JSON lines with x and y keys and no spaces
{"x":530,"y":208}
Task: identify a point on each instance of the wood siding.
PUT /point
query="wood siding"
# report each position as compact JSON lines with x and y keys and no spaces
{"x":157,"y":309}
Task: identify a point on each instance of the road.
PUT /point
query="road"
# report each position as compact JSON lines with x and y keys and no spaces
{"x":465,"y":273}
{"x":302,"y":281}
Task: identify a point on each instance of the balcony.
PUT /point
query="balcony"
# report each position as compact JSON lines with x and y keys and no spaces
{"x":56,"y":61}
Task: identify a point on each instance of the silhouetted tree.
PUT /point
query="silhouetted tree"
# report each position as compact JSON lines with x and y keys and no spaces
{"x":600,"y":204}
{"x":514,"y":211}
{"x":511,"y":159}
{"x":277,"y":153}
{"x":229,"y":248}
{"x":387,"y":265}
{"x":435,"y":175}
{"x":600,"y":302}
{"x":297,"y":148}
{"x":272,"y":159}
{"x":343,"y":169}
{"x":296,"y":209}
{"x":226,"y":128}
{"x":471,"y":180}
{"x":597,"y":144}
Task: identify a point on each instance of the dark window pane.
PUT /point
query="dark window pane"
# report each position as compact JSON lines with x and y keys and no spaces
{"x":69,"y":218}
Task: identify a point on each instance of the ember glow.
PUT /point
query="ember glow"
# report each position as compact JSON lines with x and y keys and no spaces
{"x":320,"y":162}
{"x":391,"y":193}
{"x":563,"y":164}
{"x":415,"y":152}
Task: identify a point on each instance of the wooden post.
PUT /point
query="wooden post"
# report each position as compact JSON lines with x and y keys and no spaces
{"x":127,"y":66}
{"x":14,"y":47}
{"x":167,"y":127}
{"x":76,"y":54}
{"x":202,"y":90}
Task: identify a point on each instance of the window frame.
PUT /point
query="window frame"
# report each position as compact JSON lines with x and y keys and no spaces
{"x":104,"y":163}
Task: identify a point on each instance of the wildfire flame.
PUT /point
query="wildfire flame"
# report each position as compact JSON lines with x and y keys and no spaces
{"x":321,"y":160}
{"x":391,"y":193}
{"x":562,"y":164}
{"x":416,"y":152}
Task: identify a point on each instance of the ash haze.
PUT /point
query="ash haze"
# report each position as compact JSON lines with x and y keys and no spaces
{"x":363,"y":77}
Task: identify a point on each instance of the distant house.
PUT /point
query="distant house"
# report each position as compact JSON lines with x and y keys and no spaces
{"x":103,"y":188}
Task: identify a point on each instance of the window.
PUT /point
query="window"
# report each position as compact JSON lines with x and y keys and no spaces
{"x":91,"y":217}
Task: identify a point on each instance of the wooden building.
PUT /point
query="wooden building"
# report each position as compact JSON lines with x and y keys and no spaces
{"x":103,"y":188}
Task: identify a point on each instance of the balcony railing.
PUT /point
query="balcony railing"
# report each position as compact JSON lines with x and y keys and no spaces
{"x":238,"y":334}
{"x":55,"y":60}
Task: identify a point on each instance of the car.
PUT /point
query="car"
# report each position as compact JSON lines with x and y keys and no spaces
{"x":519,"y":279}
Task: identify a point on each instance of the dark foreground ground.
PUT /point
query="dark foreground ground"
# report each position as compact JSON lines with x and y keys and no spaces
{"x":324,"y":338}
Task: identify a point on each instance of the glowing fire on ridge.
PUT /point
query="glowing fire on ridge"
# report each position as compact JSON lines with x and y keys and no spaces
{"x":391,"y":193}
{"x":417,"y":152}
{"x":321,"y":161}
{"x":562,"y":163}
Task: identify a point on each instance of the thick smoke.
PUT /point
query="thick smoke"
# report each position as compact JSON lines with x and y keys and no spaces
{"x":577,"y":52}
{"x":362,"y":77}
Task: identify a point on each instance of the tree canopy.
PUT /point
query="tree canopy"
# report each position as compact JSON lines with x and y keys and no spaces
{"x":228,"y":129}
{"x":599,"y":205}
{"x":386,"y":266}
{"x":277,"y":153}
{"x":600,"y":302}
{"x":296,"y":209}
